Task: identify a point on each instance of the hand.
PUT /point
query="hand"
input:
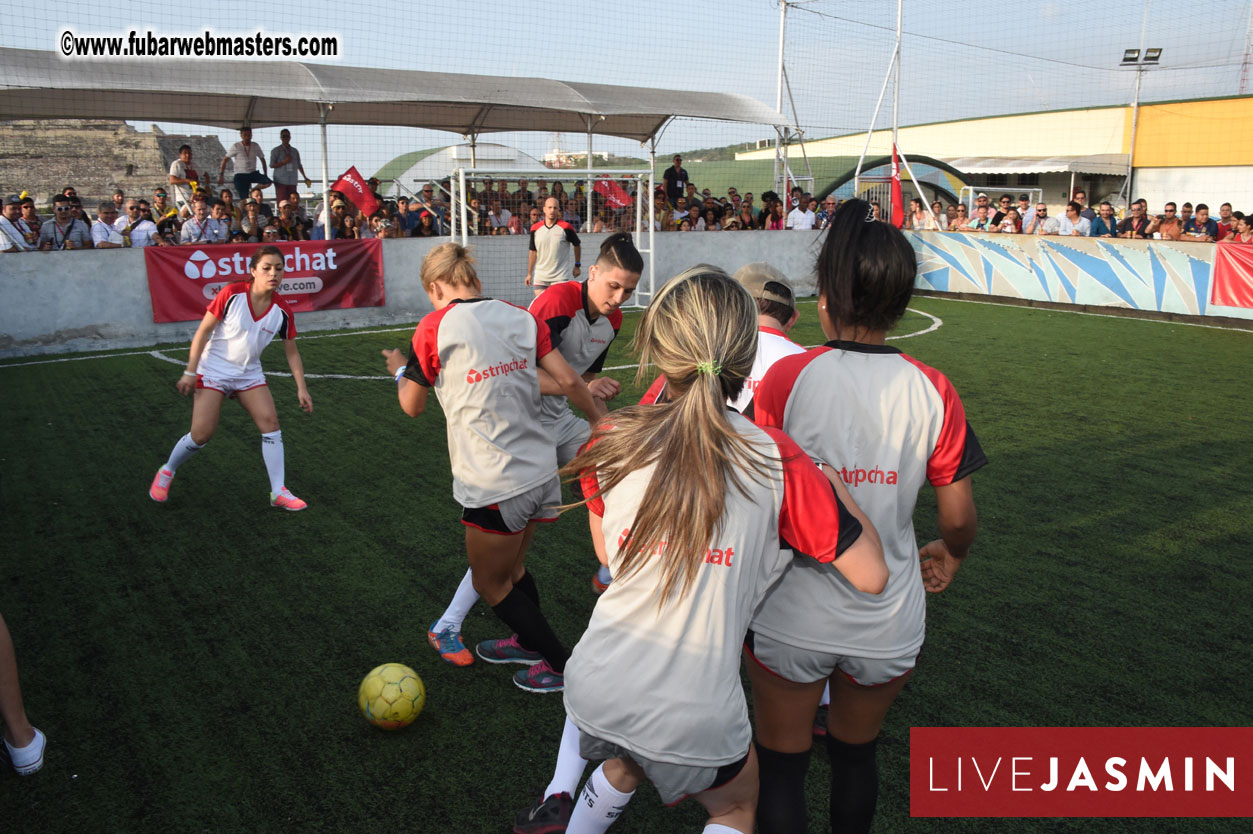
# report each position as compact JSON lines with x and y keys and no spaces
{"x":221,"y":178}
{"x":395,"y":359}
{"x":308,"y":183}
{"x":528,"y":280}
{"x":577,"y":272}
{"x":938,"y":566}
{"x":306,"y":402}
{"x":604,"y":388}
{"x":185,"y":385}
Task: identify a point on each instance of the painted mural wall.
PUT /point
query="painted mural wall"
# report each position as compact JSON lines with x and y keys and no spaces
{"x":1165,"y":276}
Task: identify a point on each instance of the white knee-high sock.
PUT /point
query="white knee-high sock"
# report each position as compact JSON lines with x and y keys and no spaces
{"x":598,"y":805}
{"x":272,"y":453}
{"x":462,"y":602}
{"x":183,"y":450}
{"x":826,"y":696}
{"x":570,"y":765}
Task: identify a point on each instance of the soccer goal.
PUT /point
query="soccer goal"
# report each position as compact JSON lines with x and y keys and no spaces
{"x":506,"y":203}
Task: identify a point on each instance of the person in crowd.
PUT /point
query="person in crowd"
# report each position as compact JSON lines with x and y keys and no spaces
{"x":1243,"y":232}
{"x":15,"y":236}
{"x":183,"y":178}
{"x":981,"y":222}
{"x":918,"y":219}
{"x":1001,"y":209}
{"x":676,"y":179}
{"x":246,"y":155}
{"x":732,"y":224}
{"x":119,"y":201}
{"x":498,"y":218}
{"x":23,"y":743}
{"x":1105,"y":225}
{"x":696,"y":218}
{"x":77,"y":212}
{"x":775,"y":220}
{"x":1041,"y":223}
{"x":252,"y":223}
{"x":748,"y":220}
{"x":1011,"y":223}
{"x":230,"y":210}
{"x":196,"y":230}
{"x":1168,"y":224}
{"x":1201,"y":227}
{"x":950,"y":215}
{"x":855,"y":399}
{"x":225,"y":362}
{"x":271,"y":234}
{"x":1135,"y":226}
{"x":426,"y":225}
{"x":1073,"y":223}
{"x":64,"y":231}
{"x":1026,"y":211}
{"x":1085,"y":211}
{"x":137,"y":228}
{"x":961,"y":217}
{"x":408,"y":220}
{"x":161,"y":206}
{"x":685,"y":225}
{"x":31,"y":221}
{"x":200,"y":195}
{"x":286,"y":167}
{"x":712,"y":224}
{"x":1185,"y":213}
{"x":1226,"y":221}
{"x":289,"y":224}
{"x":800,"y":218}
{"x":571,"y":212}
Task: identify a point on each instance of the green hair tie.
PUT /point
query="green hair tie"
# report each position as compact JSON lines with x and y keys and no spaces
{"x":711,"y":368}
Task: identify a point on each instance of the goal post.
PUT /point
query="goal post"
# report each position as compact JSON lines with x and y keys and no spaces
{"x":618,"y":199}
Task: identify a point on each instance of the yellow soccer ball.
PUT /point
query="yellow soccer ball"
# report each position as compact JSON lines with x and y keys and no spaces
{"x":391,"y":696}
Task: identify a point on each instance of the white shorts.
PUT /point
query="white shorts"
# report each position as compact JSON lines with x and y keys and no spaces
{"x":807,"y":665}
{"x":230,"y":385}
{"x":675,"y":782}
{"x":512,"y":515}
{"x":568,"y":434}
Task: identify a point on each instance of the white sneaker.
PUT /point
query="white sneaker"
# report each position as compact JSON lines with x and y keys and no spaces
{"x":27,"y":760}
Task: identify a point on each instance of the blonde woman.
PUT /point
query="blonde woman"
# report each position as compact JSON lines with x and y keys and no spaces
{"x":688,"y":505}
{"x":483,"y":358}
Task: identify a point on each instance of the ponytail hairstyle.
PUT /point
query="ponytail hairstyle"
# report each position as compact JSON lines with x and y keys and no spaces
{"x":866,"y":270}
{"x":619,"y":250}
{"x":701,"y":331}
{"x":451,"y":263}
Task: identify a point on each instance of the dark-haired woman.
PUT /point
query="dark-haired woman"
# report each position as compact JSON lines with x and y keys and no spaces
{"x":583,"y":318}
{"x":225,"y":361}
{"x":856,"y":399}
{"x":688,"y":504}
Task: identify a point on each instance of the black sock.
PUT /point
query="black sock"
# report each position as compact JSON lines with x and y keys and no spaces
{"x":781,"y":803}
{"x":527,"y":586}
{"x":854,"y":785}
{"x":524,"y":617}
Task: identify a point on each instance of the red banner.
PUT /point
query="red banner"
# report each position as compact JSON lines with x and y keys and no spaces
{"x":898,"y":198}
{"x":1081,"y":772}
{"x":1233,"y":275}
{"x":354,"y":186}
{"x":615,"y":195}
{"x":318,"y":275}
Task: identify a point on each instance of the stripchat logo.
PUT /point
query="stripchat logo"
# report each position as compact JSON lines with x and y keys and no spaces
{"x":500,"y":369}
{"x":234,"y":267}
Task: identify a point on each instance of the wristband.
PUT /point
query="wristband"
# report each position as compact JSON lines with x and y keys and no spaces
{"x":400,"y":372}
{"x":578,"y":263}
{"x":188,"y":373}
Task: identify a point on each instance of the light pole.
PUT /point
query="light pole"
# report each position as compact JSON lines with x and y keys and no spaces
{"x":1133,"y":58}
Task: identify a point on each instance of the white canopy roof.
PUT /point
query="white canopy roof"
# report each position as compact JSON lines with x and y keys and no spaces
{"x":36,"y":84}
{"x":1103,"y":163}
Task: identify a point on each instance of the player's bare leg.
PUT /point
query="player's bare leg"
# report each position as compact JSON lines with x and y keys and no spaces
{"x":259,"y":403}
{"x":205,"y":410}
{"x":733,"y":805}
{"x":856,"y":717}
{"x":24,"y":744}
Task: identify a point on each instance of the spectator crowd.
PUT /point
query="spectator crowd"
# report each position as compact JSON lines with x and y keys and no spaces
{"x":189,"y":211}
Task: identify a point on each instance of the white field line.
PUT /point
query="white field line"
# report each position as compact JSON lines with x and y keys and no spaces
{"x":1086,"y":313}
{"x":936,"y":323}
{"x":156,"y":354}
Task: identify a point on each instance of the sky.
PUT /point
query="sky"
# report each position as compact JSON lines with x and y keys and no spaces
{"x":959,"y":59}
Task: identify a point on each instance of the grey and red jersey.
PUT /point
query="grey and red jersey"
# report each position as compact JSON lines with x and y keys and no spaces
{"x":581,"y":340}
{"x":888,"y":424}
{"x":554,"y":252}
{"x":235,"y":345}
{"x":481,"y":355}
{"x":664,"y":680}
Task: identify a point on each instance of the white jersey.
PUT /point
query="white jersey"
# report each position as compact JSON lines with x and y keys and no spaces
{"x":554,"y":252}
{"x":664,"y":681}
{"x":888,"y":424}
{"x":235,"y":346}
{"x":772,"y":345}
{"x":482,"y":356}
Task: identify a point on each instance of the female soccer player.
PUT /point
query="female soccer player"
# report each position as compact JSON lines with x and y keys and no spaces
{"x":483,"y":358}
{"x":688,"y":504}
{"x":583,"y":318}
{"x":225,"y":361}
{"x":894,"y":424}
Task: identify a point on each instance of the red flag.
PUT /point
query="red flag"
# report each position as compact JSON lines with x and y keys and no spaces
{"x":1233,"y":275}
{"x":353,"y":186}
{"x":898,"y":198}
{"x":614,"y":194}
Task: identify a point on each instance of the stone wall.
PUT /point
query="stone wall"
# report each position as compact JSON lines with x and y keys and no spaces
{"x":93,"y":155}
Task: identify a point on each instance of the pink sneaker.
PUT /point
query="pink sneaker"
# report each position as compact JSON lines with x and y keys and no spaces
{"x":286,"y":500}
{"x":160,"y":489}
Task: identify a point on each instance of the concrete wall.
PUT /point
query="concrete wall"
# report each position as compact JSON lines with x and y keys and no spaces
{"x":58,"y":302}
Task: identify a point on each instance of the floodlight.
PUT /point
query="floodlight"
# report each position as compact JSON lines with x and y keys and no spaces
{"x":1131,"y":56}
{"x":1152,"y":56}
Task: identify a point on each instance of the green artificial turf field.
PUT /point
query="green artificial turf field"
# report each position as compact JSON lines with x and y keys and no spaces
{"x":195,"y":665}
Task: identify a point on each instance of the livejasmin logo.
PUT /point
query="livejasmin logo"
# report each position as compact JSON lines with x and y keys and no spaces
{"x":1080,"y":771}
{"x":500,"y":369}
